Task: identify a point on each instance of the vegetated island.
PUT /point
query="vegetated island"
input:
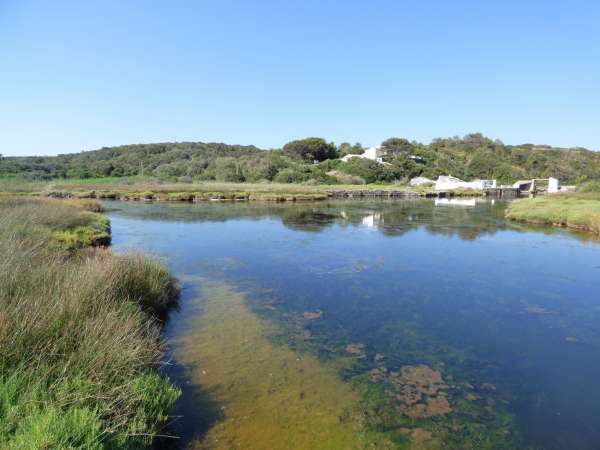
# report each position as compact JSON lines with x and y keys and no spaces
{"x":311,"y":169}
{"x":79,"y":331}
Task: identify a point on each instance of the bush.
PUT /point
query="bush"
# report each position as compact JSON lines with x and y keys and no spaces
{"x":291,"y":176}
{"x":370,"y":171}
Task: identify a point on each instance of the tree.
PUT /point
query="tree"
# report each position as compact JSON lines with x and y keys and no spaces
{"x":310,"y":149}
{"x":345,"y":148}
{"x":475,"y":140}
{"x":394,"y":147}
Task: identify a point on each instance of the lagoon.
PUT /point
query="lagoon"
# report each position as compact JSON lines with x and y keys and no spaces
{"x":375,"y":324}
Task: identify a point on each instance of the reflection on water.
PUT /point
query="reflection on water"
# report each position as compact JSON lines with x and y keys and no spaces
{"x":456,"y":202}
{"x":447,"y":325}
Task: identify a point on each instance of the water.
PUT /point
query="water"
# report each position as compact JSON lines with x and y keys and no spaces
{"x":404,"y":324}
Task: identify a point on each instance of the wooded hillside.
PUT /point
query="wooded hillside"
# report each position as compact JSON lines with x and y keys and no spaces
{"x":468,"y":157}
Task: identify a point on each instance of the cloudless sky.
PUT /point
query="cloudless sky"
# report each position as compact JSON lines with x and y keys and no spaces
{"x":79,"y":75}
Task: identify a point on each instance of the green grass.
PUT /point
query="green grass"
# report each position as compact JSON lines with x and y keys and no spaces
{"x":80,"y":345}
{"x":580,"y":211}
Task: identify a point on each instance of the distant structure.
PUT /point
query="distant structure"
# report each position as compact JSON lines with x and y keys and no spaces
{"x":372,"y":153}
{"x":550,"y":185}
{"x":449,"y":183}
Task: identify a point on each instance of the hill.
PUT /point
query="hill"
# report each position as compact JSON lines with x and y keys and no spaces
{"x":312,"y":160}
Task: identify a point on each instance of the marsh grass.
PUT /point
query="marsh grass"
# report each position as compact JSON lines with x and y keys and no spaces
{"x":140,"y":188}
{"x":80,"y":347}
{"x":66,"y":224}
{"x":580,"y":211}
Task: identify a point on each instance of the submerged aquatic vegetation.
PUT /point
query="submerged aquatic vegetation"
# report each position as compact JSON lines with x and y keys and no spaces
{"x":420,"y":390}
{"x":423,"y":400}
{"x":271,"y":396}
{"x":80,"y":351}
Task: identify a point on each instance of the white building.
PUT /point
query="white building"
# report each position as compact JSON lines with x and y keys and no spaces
{"x":554,"y":186}
{"x":372,"y":153}
{"x":448,"y":183}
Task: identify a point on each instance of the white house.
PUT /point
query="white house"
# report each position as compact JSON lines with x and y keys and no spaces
{"x":372,"y":153}
{"x":448,"y":183}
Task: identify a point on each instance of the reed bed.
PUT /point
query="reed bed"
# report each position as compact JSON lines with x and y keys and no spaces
{"x":80,"y":338}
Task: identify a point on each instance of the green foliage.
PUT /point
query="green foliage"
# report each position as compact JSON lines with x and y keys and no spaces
{"x":406,"y":168}
{"x":370,"y":171}
{"x":346,"y":148}
{"x":291,"y":176}
{"x":394,"y":147}
{"x":310,"y":149}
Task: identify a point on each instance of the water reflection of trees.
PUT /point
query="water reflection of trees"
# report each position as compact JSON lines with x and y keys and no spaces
{"x":308,"y":219}
{"x":392,"y":218}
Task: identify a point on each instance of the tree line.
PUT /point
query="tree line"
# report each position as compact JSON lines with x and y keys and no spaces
{"x":315,"y":160}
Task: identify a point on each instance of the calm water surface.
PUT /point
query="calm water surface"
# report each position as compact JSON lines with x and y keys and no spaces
{"x":501,"y":321}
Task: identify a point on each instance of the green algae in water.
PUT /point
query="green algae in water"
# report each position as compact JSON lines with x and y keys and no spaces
{"x":415,"y":406}
{"x":271,"y":396}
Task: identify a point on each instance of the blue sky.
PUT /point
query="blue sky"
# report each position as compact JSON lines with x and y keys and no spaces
{"x":81,"y":75}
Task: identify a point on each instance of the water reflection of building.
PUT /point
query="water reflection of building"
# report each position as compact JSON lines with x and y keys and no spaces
{"x":464,"y":202}
{"x":372,"y":220}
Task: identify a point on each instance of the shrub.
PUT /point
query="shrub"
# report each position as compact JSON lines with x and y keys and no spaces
{"x":370,"y":171}
{"x":291,"y":176}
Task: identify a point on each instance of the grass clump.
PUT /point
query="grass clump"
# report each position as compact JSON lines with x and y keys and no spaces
{"x":80,"y":345}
